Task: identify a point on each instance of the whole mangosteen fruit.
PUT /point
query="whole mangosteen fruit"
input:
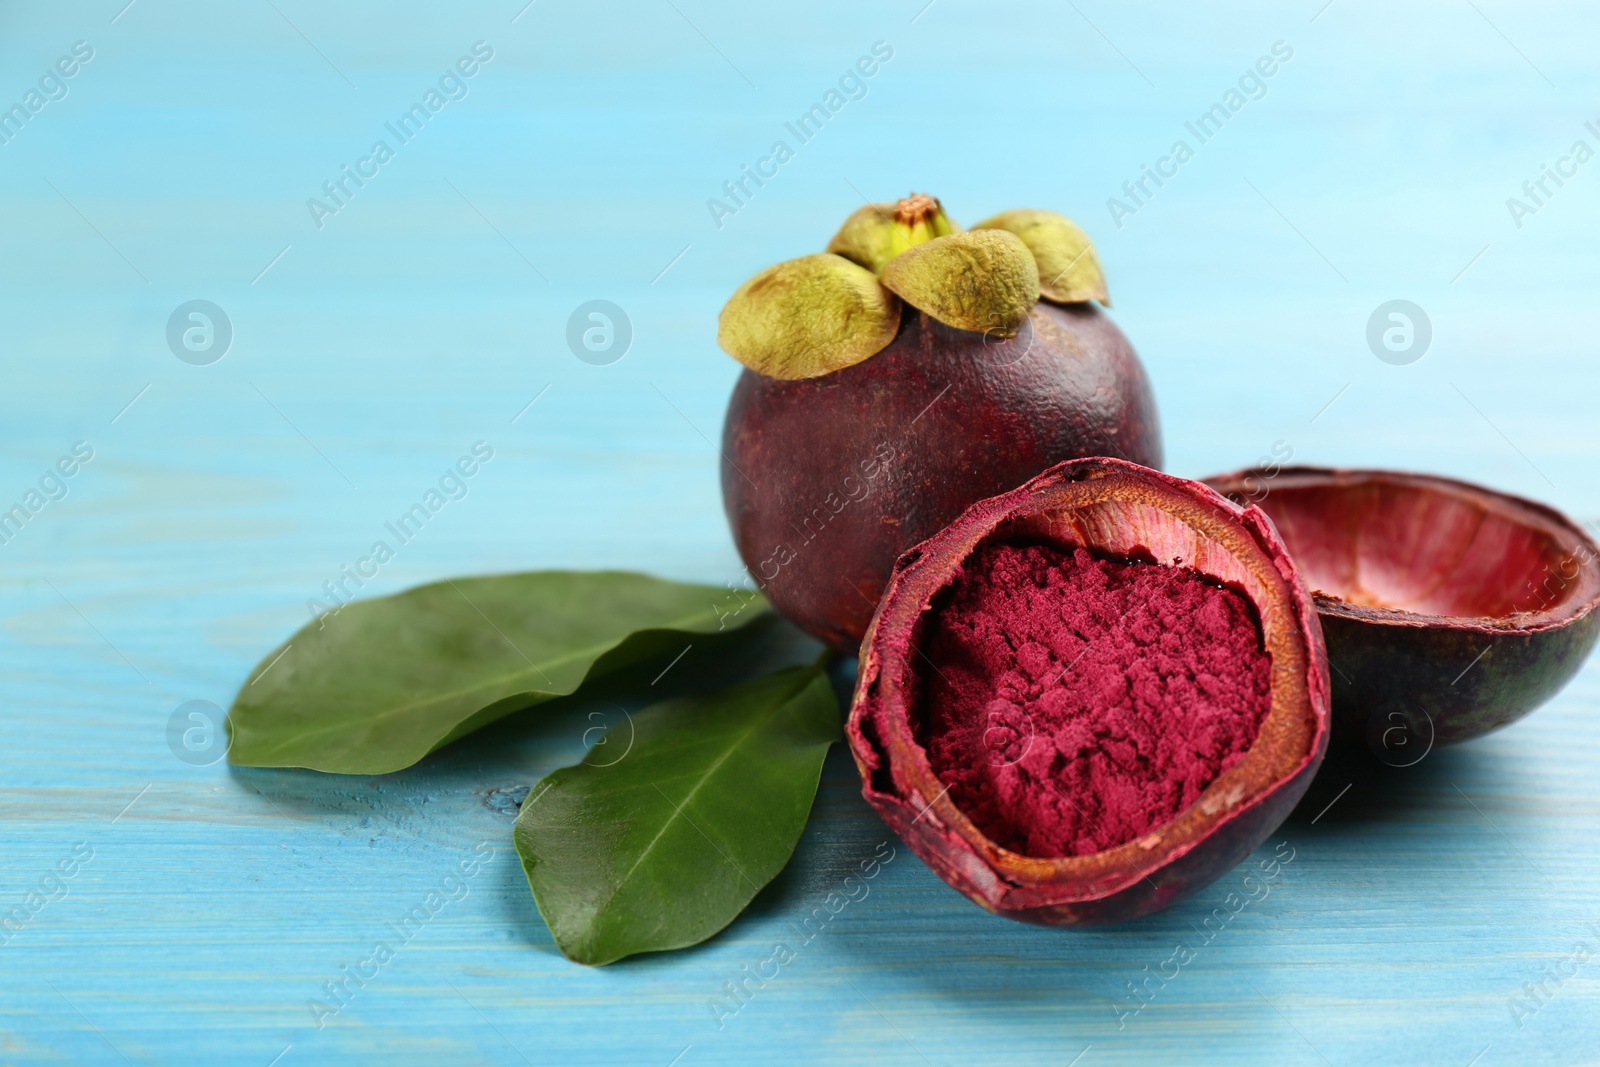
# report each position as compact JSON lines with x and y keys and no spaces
{"x":904,"y":374}
{"x":1450,"y":609}
{"x":1091,"y":695}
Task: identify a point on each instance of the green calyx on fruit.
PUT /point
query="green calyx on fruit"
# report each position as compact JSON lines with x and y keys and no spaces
{"x":877,"y":233}
{"x":985,"y":281}
{"x":807,"y":317}
{"x":1069,"y":270}
{"x":822,"y":313}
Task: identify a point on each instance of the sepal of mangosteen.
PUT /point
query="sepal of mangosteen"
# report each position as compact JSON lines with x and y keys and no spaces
{"x":807,"y":317}
{"x":877,"y":233}
{"x":1069,"y":269}
{"x":984,"y":281}
{"x":1113,"y":509}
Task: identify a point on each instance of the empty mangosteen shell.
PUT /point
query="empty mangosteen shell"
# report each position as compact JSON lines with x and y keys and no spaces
{"x":1468,"y":674}
{"x":1125,"y":510}
{"x":827,"y":480}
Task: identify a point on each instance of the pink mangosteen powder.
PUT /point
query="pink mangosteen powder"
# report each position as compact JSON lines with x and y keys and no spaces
{"x":1077,"y":703}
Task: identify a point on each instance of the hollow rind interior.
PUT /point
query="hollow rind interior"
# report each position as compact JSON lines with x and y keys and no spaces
{"x":1469,"y":673}
{"x":1116,"y":511}
{"x":1422,"y":545}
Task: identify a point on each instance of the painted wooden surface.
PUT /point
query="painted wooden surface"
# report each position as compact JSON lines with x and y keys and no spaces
{"x":431,"y":310}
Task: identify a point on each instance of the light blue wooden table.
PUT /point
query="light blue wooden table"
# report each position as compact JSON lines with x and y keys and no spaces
{"x":206,"y":907}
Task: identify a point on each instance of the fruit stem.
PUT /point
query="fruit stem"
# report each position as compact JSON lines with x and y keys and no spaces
{"x":915,"y":208}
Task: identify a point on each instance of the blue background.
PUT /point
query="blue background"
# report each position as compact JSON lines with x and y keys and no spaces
{"x":371,"y":352}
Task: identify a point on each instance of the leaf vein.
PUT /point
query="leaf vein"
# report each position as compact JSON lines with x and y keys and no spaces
{"x":592,"y":651}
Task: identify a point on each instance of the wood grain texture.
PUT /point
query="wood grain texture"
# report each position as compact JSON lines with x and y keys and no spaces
{"x":432,"y":308}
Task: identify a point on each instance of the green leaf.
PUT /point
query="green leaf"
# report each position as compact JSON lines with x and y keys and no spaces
{"x":383,"y":682}
{"x":664,"y":846}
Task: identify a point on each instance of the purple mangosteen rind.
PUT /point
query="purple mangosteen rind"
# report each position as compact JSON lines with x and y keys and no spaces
{"x":1234,"y":815}
{"x":827,"y":480}
{"x":1445,"y":678}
